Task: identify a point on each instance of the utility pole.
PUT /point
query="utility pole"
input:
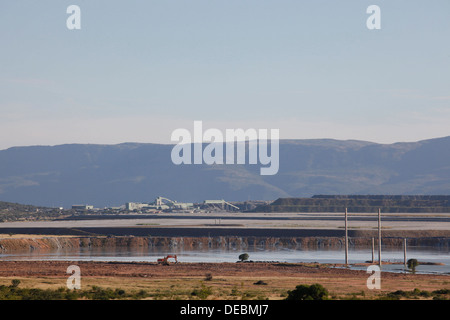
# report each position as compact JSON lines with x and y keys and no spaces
{"x":379,"y":237}
{"x":404,"y":252}
{"x":373,"y":250}
{"x":346,"y":239}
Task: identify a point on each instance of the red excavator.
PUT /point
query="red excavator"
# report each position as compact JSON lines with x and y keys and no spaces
{"x":165,"y":260}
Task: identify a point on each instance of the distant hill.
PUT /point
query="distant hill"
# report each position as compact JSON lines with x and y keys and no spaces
{"x":111,"y":175}
{"x":15,"y":211}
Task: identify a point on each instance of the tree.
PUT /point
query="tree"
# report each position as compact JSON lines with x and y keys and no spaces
{"x":304,"y":292}
{"x":412,"y":264}
{"x":243,"y":257}
{"x":15,"y":283}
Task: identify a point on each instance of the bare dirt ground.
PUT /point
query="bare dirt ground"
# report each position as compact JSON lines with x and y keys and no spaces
{"x":226,"y":280}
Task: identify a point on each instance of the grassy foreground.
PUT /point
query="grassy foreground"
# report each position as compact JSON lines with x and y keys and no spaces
{"x":225,"y":281}
{"x":224,"y":288}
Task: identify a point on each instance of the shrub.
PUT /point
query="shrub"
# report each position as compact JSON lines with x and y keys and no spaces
{"x":234,"y":291}
{"x":120,"y":292}
{"x":208,"y":277}
{"x":203,"y":292}
{"x":441,"y":291}
{"x":15,"y":283}
{"x":304,"y":292}
{"x":425,"y":294}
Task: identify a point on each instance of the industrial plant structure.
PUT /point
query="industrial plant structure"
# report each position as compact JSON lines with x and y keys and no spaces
{"x":165,"y":204}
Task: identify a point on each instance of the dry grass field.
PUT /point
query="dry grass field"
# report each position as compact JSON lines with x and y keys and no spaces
{"x":225,"y":281}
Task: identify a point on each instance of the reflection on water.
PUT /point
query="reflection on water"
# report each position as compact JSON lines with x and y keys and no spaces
{"x":124,"y":254}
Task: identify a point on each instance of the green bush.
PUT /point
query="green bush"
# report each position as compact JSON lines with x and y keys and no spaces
{"x":15,"y":283}
{"x":203,"y":292}
{"x":304,"y":292}
{"x":13,"y":292}
{"x":441,"y":291}
{"x":417,"y":293}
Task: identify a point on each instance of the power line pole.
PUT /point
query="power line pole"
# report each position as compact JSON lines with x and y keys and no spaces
{"x":346,"y":239}
{"x":404,"y":252}
{"x":373,"y":250}
{"x":379,"y":237}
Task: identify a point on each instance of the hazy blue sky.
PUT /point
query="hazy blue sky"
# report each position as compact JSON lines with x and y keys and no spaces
{"x":137,"y":70}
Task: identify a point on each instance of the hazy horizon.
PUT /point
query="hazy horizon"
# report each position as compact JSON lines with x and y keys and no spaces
{"x":173,"y":143}
{"x":137,"y":71}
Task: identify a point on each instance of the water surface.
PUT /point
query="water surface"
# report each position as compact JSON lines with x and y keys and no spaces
{"x":332,"y":256}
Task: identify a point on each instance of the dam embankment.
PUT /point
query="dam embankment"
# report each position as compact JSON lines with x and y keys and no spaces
{"x":8,"y":245}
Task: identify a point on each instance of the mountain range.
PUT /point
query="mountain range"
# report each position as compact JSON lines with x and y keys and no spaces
{"x":111,"y":175}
